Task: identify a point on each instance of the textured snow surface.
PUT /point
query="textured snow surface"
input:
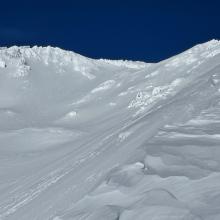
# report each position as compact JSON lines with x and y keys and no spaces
{"x":87,"y":139}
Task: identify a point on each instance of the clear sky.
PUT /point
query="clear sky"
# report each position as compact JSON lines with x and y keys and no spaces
{"x":136,"y":30}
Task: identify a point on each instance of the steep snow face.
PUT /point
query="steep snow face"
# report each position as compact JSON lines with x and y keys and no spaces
{"x":100,"y":139}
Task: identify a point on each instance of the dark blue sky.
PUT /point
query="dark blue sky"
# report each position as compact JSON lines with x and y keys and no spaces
{"x":136,"y":30}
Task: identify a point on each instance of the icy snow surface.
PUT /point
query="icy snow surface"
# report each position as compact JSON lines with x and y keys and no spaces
{"x":87,"y":139}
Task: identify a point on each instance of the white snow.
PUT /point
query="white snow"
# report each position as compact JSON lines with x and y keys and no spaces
{"x":104,"y":86}
{"x":112,"y":104}
{"x":70,"y":115}
{"x":102,"y":140}
{"x":122,"y":136}
{"x":126,"y":63}
{"x":2,"y":64}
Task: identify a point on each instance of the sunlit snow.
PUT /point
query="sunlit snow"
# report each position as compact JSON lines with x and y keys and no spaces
{"x":109,"y":140}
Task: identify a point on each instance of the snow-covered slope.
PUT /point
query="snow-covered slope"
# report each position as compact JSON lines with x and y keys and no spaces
{"x":108,"y":140}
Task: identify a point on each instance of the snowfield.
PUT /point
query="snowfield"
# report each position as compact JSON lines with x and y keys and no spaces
{"x":85,"y":139}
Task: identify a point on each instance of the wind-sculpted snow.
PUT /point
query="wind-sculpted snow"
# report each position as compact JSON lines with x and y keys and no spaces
{"x":103,"y":140}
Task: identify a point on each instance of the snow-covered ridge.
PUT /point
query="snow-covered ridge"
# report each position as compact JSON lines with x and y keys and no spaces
{"x":35,"y":51}
{"x":208,"y":49}
{"x":23,"y":55}
{"x":203,"y":50}
{"x":55,"y":54}
{"x":126,"y":63}
{"x":82,"y":63}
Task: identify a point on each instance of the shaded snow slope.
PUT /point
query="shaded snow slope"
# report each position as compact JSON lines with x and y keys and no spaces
{"x":99,"y":139}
